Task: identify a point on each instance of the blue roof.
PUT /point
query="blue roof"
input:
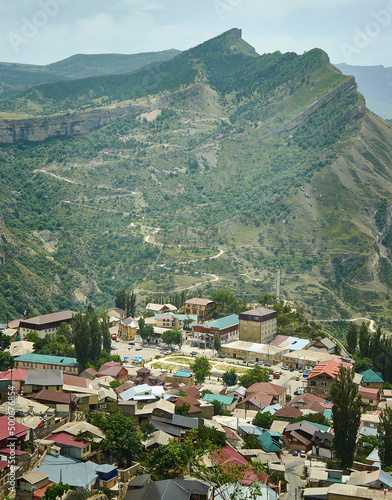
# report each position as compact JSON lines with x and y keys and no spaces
{"x":251,"y":429}
{"x":221,"y":323}
{"x":72,"y":471}
{"x":47,"y":360}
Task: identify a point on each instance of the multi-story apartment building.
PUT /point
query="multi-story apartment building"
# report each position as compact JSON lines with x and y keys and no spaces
{"x":258,"y":325}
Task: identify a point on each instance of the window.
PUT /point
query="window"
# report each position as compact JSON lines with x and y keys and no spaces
{"x":323,"y":384}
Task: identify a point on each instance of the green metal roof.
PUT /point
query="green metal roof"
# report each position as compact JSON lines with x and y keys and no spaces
{"x":47,"y":360}
{"x":183,"y":374}
{"x":224,"y":400}
{"x":370,"y":376}
{"x":222,"y":323}
{"x":270,"y":441}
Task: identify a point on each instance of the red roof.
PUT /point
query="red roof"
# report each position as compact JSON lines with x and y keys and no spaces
{"x":369,"y":393}
{"x":288,"y":412}
{"x":330,"y":368}
{"x":53,"y":397}
{"x":306,"y":398}
{"x":7,"y":451}
{"x":227,"y":456}
{"x":66,"y":439}
{"x":41,"y":492}
{"x":76,"y":381}
{"x":20,"y":429}
{"x":187,"y":400}
{"x":17,"y":374}
{"x":266,"y":388}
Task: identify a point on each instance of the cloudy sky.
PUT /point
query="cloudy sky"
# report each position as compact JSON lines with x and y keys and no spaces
{"x":357,"y":32}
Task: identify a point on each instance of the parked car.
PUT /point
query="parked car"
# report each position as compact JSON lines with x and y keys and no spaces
{"x":131,"y":343}
{"x":114,"y":348}
{"x":138,"y":348}
{"x":166,"y":353}
{"x":221,"y":356}
{"x":276,"y":375}
{"x":260,"y":363}
{"x":291,"y":369}
{"x":295,"y":453}
{"x":285,"y":367}
{"x":267,"y":363}
{"x":302,"y":454}
{"x":130,"y":347}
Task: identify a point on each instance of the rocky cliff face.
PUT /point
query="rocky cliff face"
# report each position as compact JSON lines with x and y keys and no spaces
{"x":76,"y":124}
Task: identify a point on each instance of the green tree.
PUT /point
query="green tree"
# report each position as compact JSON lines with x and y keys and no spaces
{"x":255,"y":375}
{"x":105,"y":333}
{"x":346,"y":415}
{"x":81,"y":339}
{"x":171,"y":337}
{"x":187,"y":323}
{"x":226,"y":302}
{"x":147,"y":428}
{"x":142,"y":325}
{"x":230,"y":377}
{"x":217,"y":342}
{"x":4,"y":341}
{"x":130,"y":304}
{"x":167,"y":461}
{"x":251,"y":443}
{"x":384,"y":431}
{"x":182,"y":410}
{"x":201,"y":369}
{"x":120,"y":299}
{"x":122,"y":441}
{"x":211,"y":435}
{"x":95,"y":333}
{"x":364,"y":338}
{"x":263,"y":420}
{"x":352,"y":338}
{"x":55,"y":491}
{"x":6,"y":361}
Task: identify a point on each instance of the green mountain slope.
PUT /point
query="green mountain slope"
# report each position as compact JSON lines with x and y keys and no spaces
{"x":237,"y":165}
{"x":16,"y":78}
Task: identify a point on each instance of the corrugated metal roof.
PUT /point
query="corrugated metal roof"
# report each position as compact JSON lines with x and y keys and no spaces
{"x":47,"y":360}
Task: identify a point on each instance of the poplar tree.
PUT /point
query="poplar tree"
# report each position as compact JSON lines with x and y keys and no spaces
{"x":384,"y":431}
{"x":346,"y":415}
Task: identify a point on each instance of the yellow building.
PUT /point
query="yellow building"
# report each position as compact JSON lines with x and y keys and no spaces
{"x":202,"y":308}
{"x":127,"y":329}
{"x":258,"y":325}
{"x":251,"y":351}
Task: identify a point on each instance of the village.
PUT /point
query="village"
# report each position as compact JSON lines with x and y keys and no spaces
{"x":265,"y":396}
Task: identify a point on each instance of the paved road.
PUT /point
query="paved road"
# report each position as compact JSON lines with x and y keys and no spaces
{"x":294,"y":470}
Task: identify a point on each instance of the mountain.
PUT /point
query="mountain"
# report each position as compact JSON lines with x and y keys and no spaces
{"x":15,"y":78}
{"x":211,"y":170}
{"x":375,"y":83}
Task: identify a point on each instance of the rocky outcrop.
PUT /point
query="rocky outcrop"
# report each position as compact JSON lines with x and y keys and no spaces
{"x":76,"y":124}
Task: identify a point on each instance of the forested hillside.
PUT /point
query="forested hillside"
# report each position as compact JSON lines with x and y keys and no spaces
{"x":264,"y":162}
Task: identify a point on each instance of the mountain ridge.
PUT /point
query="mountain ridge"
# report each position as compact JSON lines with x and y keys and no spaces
{"x":197,"y":159}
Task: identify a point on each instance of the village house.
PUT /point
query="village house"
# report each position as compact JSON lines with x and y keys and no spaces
{"x":70,"y":445}
{"x":324,"y":374}
{"x":226,"y":329}
{"x":258,"y":325}
{"x":128,"y":328}
{"x":202,"y":308}
{"x":160,"y":308}
{"x":42,"y":361}
{"x":46,"y":324}
{"x":372,"y":379}
{"x":369,"y":396}
{"x":252,"y":351}
{"x":47,"y":378}
{"x":277,"y":392}
{"x":115,"y":370}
